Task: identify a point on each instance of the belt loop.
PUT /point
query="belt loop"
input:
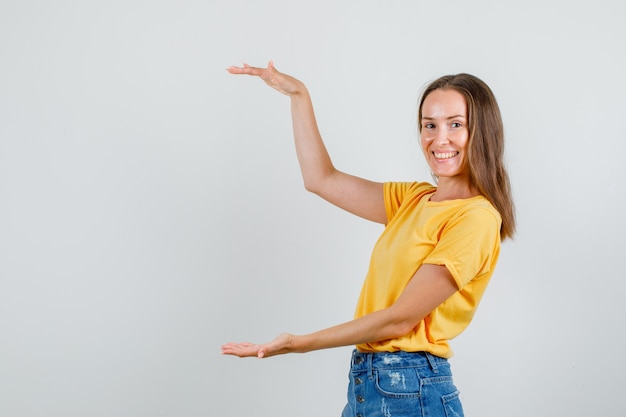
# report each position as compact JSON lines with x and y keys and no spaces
{"x":431,"y":361}
{"x":370,"y":368}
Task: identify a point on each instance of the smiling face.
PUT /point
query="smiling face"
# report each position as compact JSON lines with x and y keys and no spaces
{"x":444,"y":133}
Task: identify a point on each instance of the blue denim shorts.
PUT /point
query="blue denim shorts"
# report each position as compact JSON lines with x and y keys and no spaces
{"x":401,"y":384}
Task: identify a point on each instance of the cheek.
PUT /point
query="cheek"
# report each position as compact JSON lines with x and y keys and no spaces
{"x":424,"y":145}
{"x":462,"y":141}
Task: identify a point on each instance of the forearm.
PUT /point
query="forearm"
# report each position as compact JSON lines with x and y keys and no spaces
{"x":380,"y":325}
{"x":315,"y":162}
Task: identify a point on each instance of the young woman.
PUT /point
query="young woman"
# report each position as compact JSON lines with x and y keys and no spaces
{"x":431,"y":265}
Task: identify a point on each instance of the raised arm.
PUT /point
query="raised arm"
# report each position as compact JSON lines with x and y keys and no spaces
{"x":430,"y":286}
{"x":356,"y":195}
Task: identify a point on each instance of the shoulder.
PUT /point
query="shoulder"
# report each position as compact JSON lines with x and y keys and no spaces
{"x":477,"y":217}
{"x":408,"y":188}
{"x":480,"y":207}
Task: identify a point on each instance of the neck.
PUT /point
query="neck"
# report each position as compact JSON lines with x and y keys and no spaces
{"x":451,"y":189}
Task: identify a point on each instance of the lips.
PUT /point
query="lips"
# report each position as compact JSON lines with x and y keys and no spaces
{"x":445,"y":155}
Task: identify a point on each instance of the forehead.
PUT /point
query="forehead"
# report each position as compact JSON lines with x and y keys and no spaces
{"x":443,"y":104}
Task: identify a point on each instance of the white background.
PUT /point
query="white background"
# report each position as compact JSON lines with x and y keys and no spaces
{"x":151,"y":205}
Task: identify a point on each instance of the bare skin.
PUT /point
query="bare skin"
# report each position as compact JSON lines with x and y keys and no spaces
{"x":443,"y":147}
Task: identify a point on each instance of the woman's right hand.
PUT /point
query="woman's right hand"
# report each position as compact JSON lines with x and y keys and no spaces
{"x":356,"y":195}
{"x":284,"y":83}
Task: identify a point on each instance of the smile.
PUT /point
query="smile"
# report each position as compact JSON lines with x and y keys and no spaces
{"x":445,"y":155}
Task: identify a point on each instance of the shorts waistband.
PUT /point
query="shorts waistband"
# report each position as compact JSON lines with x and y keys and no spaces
{"x":367,"y":361}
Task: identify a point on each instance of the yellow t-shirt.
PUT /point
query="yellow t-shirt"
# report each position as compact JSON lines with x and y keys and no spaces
{"x":463,"y":235}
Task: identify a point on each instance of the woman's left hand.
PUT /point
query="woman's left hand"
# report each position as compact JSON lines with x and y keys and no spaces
{"x":280,"y":345}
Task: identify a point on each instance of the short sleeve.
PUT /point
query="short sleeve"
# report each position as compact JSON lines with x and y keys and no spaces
{"x":395,"y":193}
{"x":469,"y":245}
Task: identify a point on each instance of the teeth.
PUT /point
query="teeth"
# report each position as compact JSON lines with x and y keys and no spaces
{"x":445,"y":155}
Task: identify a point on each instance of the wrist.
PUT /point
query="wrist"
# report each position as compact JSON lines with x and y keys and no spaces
{"x":298,"y":344}
{"x":299,"y":90}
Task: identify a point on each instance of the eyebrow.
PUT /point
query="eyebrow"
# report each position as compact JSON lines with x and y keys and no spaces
{"x":458,"y":116}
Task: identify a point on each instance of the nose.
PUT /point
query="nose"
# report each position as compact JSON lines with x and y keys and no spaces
{"x":441,"y":137}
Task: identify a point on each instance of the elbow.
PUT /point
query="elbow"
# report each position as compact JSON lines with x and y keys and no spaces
{"x":401,"y":324}
{"x":321,"y":182}
{"x":402,"y":328}
{"x":311,"y":186}
{"x":317,"y":184}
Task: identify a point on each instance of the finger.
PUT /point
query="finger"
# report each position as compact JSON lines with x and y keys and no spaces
{"x":234,"y":347}
{"x":246,"y":69}
{"x":243,"y":345}
{"x":239,"y":353}
{"x":231,"y":344}
{"x":271,"y":69}
{"x":269,"y":349}
{"x":240,"y":349}
{"x":273,"y":72}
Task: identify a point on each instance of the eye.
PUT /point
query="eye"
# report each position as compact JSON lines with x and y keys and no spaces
{"x":456,"y":124}
{"x":429,"y":126}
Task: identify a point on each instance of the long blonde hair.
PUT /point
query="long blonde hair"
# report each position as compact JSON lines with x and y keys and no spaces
{"x":485,"y":156}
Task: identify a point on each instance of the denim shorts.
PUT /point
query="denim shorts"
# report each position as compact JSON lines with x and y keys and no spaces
{"x":401,"y":384}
